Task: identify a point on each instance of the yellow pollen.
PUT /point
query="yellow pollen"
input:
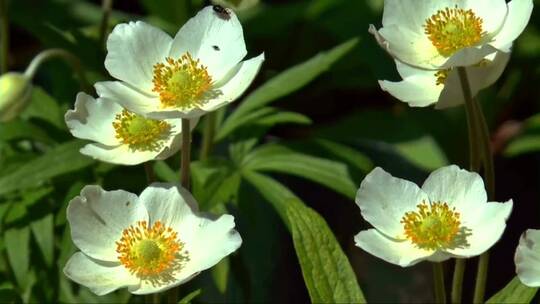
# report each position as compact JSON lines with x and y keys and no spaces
{"x":442,"y":75}
{"x":148,"y":251}
{"x":181,"y":83}
{"x":140,"y":133}
{"x":432,"y":226}
{"x":453,"y":29}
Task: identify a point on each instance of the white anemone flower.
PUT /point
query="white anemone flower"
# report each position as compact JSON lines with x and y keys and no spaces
{"x":422,"y":88}
{"x":120,"y":136}
{"x":198,"y":71}
{"x":148,"y":244}
{"x":448,"y":217}
{"x":443,"y":34}
{"x":527,"y":258}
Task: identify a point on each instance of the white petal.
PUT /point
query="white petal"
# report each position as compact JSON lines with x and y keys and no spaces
{"x":384,"y":200}
{"x":123,"y":155}
{"x":480,"y":77}
{"x":412,"y":48}
{"x":483,"y":228}
{"x":401,"y":253}
{"x":527,"y":258}
{"x":519,"y":13}
{"x":100,"y":276}
{"x":129,"y":98}
{"x":203,"y":33}
{"x":236,"y":83}
{"x":132,"y":51}
{"x":208,"y":241}
{"x":459,"y":188}
{"x":168,"y":203}
{"x":413,"y":14}
{"x":468,"y":56}
{"x":419,"y":87}
{"x":492,"y":12}
{"x":92,"y":119}
{"x":97,"y":219}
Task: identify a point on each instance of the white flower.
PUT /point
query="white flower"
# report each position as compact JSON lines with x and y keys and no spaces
{"x":122,"y":137}
{"x":421,"y":88}
{"x":198,"y":71}
{"x":148,"y":243}
{"x":527,"y":258}
{"x":448,"y":217}
{"x":447,"y":33}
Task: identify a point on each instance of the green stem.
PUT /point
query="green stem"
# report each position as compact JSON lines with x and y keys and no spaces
{"x":106,"y":7}
{"x":186,"y":154}
{"x":208,"y":135}
{"x":184,"y":180}
{"x":438,"y":281}
{"x":4,"y":37}
{"x":150,"y":175}
{"x":484,"y":154}
{"x":457,"y":280}
{"x":75,"y":63}
{"x":152,"y":298}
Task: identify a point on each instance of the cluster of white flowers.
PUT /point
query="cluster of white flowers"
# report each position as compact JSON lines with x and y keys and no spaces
{"x":160,"y":81}
{"x":158,"y":240}
{"x":430,"y":39}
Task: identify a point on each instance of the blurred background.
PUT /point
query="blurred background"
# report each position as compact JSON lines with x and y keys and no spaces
{"x":342,"y":105}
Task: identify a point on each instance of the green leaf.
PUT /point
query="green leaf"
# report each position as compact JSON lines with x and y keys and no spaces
{"x":423,"y":152}
{"x":327,"y":272}
{"x":164,"y":172}
{"x":57,"y":161}
{"x":190,"y":296}
{"x":282,"y":117}
{"x":43,"y":232}
{"x":514,"y":292}
{"x":347,"y":154}
{"x":220,"y":274}
{"x":523,"y":144}
{"x":277,"y":158}
{"x":18,"y":252}
{"x":214,"y":182}
{"x":44,"y":107}
{"x":229,"y":126}
{"x":287,"y":82}
{"x":18,"y":129}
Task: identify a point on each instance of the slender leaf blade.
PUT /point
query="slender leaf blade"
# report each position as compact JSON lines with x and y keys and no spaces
{"x":514,"y":292}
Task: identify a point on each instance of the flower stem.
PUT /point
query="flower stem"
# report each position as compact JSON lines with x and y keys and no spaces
{"x":208,"y":135}
{"x":438,"y":281}
{"x":150,"y":176}
{"x":186,"y":154}
{"x":457,"y":280}
{"x":106,"y":7}
{"x":184,"y":180}
{"x":58,"y":53}
{"x":4,"y":37}
{"x":479,"y":129}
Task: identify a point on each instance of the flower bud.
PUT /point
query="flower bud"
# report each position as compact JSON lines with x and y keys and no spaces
{"x":15,"y":92}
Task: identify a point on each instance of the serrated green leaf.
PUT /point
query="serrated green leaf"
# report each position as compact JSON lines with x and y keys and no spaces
{"x":277,"y":158}
{"x":287,"y":82}
{"x":18,"y":252}
{"x":327,"y":272}
{"x":43,"y":232}
{"x":514,"y":292}
{"x":59,"y":160}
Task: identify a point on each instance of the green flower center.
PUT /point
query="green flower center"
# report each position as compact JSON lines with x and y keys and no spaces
{"x":140,"y":133}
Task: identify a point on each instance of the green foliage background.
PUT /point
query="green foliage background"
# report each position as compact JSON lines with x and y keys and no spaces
{"x":287,"y":158}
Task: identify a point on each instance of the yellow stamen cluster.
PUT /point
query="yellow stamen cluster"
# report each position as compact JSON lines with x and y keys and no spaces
{"x":432,"y":226}
{"x":148,"y":251}
{"x":181,"y":83}
{"x":442,"y":75}
{"x":453,"y":29}
{"x":140,"y":133}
